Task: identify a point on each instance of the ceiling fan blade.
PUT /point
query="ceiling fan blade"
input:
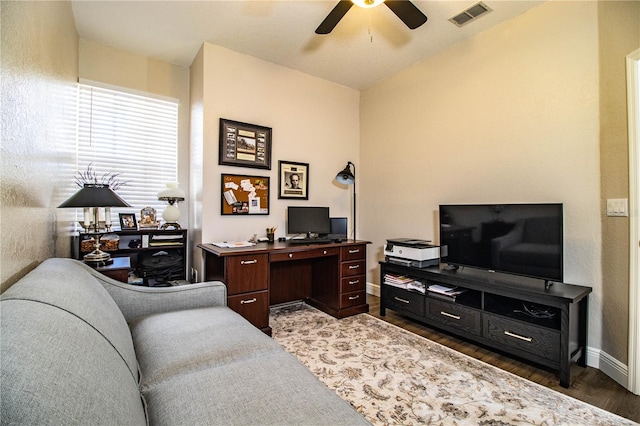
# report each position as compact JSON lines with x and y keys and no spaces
{"x":407,"y":12}
{"x":334,"y":17}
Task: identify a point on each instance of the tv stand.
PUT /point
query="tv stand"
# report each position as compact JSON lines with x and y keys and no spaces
{"x":510,"y":313}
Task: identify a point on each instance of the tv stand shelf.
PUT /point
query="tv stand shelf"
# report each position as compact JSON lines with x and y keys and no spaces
{"x":514,"y":314}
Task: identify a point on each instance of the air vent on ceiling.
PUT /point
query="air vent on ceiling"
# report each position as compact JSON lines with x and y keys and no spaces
{"x":470,"y":14}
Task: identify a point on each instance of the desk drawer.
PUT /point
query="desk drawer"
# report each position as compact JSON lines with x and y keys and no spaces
{"x":348,"y":300}
{"x":247,"y":273}
{"x":399,"y":299}
{"x":349,"y":269}
{"x":542,"y":342}
{"x":283,"y":256}
{"x":353,"y":252}
{"x":454,"y":315}
{"x":254,"y":307}
{"x":350,"y":284}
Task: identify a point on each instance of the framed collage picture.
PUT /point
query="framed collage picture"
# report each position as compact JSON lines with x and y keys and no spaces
{"x":244,"y":145}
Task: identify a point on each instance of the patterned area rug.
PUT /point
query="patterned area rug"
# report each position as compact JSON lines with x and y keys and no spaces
{"x":393,"y":376}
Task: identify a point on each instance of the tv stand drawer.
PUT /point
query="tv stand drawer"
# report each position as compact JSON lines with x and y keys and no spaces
{"x":399,"y":299}
{"x":542,"y":342}
{"x":454,"y":315}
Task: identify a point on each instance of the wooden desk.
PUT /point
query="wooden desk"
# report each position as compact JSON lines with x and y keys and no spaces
{"x":331,"y":277}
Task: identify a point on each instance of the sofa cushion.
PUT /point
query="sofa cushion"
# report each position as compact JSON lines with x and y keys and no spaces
{"x":191,"y":340}
{"x":64,"y":283}
{"x":56,"y":369}
{"x":274,"y":389}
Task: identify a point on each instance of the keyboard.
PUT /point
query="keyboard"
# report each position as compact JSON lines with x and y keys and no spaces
{"x":310,"y":241}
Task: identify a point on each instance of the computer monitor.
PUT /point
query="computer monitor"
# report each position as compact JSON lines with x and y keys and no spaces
{"x":308,"y":220}
{"x":338,"y":227}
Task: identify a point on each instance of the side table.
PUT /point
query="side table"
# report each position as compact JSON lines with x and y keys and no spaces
{"x":118,"y":270}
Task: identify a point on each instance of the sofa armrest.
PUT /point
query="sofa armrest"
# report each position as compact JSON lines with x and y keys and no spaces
{"x":135,"y":301}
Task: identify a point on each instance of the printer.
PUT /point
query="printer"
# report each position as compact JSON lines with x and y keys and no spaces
{"x":413,"y":252}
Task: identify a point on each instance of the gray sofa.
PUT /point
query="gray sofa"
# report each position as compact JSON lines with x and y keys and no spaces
{"x":80,"y":348}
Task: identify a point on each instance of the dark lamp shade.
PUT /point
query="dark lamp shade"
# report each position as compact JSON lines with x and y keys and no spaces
{"x":95,"y":195}
{"x":346,"y":177}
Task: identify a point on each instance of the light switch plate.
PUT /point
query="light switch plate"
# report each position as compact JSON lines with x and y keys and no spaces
{"x":617,"y":207}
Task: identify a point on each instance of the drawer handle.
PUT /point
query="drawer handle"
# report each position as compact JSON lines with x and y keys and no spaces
{"x":354,"y":251}
{"x":447,"y":314}
{"x":248,"y":262}
{"x":354,"y":282}
{"x":324,"y":252}
{"x":244,"y":302}
{"x":290,"y":255}
{"x":354,"y":266}
{"x":401,"y":300}
{"x":354,"y":297}
{"x":517,"y":336}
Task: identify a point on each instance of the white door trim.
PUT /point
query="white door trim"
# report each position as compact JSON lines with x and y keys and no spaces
{"x":633,"y":101}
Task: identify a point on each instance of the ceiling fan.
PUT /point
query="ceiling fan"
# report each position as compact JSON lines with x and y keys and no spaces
{"x":404,"y":9}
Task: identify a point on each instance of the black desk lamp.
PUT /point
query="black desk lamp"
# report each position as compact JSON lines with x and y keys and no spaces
{"x":347,"y":177}
{"x":96,"y":195}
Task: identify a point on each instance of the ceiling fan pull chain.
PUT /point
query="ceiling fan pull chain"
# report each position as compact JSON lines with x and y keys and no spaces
{"x":370,"y":33}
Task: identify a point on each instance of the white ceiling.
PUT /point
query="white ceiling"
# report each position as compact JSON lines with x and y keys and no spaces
{"x":367,"y":45}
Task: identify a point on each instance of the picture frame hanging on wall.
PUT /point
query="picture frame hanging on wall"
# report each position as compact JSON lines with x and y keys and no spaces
{"x":244,"y":145}
{"x":293,"y":180}
{"x":244,"y":195}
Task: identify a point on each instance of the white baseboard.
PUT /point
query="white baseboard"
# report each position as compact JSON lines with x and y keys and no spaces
{"x":596,"y":358}
{"x":610,"y":366}
{"x":373,"y":289}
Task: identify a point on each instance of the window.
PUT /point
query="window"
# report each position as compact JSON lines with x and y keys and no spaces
{"x":131,"y":134}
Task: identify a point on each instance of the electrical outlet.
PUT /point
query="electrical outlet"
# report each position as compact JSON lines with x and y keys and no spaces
{"x":194,"y":275}
{"x":617,"y":207}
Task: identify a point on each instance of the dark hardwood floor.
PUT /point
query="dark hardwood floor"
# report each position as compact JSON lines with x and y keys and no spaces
{"x":587,"y":384}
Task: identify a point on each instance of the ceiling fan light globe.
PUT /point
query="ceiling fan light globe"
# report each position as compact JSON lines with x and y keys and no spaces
{"x":367,"y":3}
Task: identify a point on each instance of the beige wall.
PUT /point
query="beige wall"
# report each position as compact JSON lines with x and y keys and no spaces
{"x":510,"y":115}
{"x":39,"y":71}
{"x":314,"y":121}
{"x":129,"y":70}
{"x":619,"y":35}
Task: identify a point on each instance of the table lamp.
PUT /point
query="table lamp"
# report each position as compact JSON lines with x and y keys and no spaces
{"x":95,"y":196}
{"x":171,"y":194}
{"x":347,"y":177}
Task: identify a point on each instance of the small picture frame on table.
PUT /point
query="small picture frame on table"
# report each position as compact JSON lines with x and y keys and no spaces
{"x":128,"y":221}
{"x":293,"y":180}
{"x":148,"y":218}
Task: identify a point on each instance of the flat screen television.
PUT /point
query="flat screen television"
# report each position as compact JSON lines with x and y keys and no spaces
{"x":308,"y":220}
{"x":522,"y":239}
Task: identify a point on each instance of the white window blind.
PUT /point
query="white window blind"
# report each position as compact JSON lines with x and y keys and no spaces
{"x":130,"y":134}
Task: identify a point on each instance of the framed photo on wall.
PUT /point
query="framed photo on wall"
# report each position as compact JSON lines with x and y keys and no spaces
{"x":293,"y":180}
{"x":244,"y":145}
{"x":244,"y":195}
